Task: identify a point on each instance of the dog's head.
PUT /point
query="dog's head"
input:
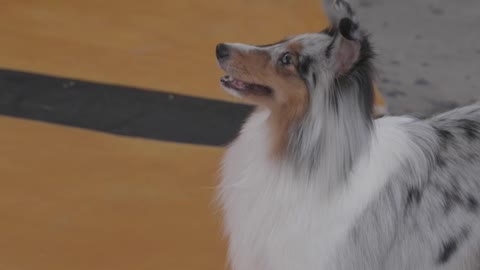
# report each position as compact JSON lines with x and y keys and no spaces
{"x":288,"y":71}
{"x":325,"y":73}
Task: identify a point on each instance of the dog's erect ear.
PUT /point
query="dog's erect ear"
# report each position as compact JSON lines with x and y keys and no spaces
{"x":337,"y":10}
{"x":346,"y":43}
{"x":348,"y":29}
{"x":347,"y":46}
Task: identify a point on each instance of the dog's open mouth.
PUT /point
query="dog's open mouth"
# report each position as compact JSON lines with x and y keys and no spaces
{"x":243,"y":87}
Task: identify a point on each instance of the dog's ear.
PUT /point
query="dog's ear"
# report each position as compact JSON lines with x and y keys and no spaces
{"x":346,"y":41}
{"x":348,"y":29}
{"x":347,"y":46}
{"x":337,"y":10}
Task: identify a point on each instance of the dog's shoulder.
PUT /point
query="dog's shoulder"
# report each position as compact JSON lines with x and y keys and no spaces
{"x":430,"y":206}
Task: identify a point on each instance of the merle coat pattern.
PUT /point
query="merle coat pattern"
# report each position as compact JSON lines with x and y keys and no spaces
{"x":345,"y":191}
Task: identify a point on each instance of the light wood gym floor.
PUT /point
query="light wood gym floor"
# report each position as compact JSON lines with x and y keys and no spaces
{"x":75,"y":198}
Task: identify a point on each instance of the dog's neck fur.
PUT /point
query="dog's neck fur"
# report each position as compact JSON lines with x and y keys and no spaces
{"x":335,"y":131}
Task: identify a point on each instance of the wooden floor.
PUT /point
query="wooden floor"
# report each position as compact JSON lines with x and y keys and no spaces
{"x":76,"y":199}
{"x":79,"y":199}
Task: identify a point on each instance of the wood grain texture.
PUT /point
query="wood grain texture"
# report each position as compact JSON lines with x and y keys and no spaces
{"x":76,"y":199}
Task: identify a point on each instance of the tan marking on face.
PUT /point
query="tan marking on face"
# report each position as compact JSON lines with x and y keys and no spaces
{"x":287,"y":113}
{"x":290,"y":97}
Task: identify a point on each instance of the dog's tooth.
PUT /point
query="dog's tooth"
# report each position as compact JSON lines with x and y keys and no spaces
{"x":227,"y":78}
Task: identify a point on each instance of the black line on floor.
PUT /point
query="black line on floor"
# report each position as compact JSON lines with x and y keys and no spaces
{"x":119,"y":110}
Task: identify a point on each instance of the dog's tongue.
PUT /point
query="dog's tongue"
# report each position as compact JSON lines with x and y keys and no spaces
{"x":239,"y":84}
{"x":234,"y":82}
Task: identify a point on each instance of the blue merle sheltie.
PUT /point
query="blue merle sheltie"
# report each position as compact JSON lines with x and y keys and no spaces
{"x":313,"y":182}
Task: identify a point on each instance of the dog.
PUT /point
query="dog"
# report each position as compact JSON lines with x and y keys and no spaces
{"x":314,"y":182}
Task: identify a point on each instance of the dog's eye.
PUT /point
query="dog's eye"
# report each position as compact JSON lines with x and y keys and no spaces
{"x":286,"y":59}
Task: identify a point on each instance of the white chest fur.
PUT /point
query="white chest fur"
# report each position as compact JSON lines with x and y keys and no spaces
{"x":276,"y":221}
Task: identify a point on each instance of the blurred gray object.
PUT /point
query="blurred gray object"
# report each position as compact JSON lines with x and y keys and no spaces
{"x":428,"y":52}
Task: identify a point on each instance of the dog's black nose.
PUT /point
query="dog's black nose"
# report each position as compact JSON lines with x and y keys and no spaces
{"x":222,"y":51}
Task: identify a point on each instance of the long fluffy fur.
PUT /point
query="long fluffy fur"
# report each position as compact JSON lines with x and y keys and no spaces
{"x":353,"y":193}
